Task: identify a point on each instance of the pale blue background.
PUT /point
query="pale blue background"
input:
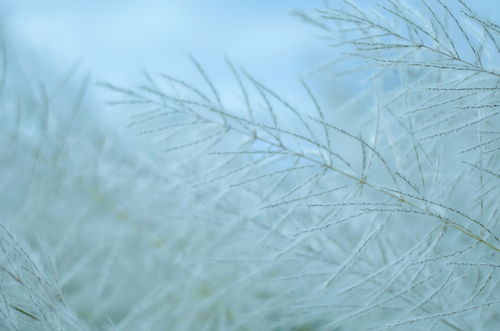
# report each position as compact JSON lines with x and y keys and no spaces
{"x":115,"y":39}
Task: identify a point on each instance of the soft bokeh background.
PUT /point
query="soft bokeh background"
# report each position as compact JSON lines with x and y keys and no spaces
{"x":116,"y":40}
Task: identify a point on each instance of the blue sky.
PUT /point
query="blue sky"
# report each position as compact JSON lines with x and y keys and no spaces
{"x":115,"y":39}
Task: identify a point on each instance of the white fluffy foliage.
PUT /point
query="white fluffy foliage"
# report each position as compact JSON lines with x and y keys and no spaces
{"x":237,"y":211}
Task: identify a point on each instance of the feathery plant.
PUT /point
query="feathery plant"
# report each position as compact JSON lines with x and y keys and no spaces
{"x":381,"y":212}
{"x":91,"y":233}
{"x":71,"y":227}
{"x":242,"y":211}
